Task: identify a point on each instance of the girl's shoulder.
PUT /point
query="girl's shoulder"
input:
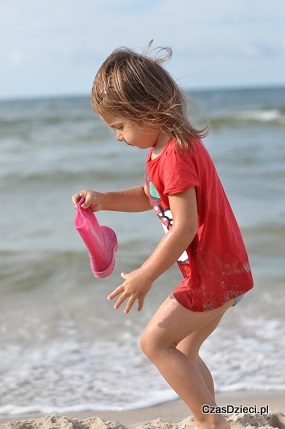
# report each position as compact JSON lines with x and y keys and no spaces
{"x":172,"y":150}
{"x":195,"y":148}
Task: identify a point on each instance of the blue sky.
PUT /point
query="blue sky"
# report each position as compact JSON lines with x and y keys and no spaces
{"x":55,"y":47}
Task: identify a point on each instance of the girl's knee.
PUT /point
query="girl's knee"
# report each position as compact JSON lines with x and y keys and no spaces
{"x":146,"y":343}
{"x":150,"y":344}
{"x":154,"y":342}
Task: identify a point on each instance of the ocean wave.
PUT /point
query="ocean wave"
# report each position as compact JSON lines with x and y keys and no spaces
{"x":273,"y":115}
{"x":59,"y":178}
{"x":240,"y":118}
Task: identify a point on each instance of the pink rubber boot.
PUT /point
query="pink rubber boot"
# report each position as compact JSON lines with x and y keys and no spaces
{"x":101,"y":241}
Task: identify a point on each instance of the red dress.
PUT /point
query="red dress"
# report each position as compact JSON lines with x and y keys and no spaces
{"x":215,"y":265}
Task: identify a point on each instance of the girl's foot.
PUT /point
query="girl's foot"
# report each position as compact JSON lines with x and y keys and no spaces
{"x":214,"y":422}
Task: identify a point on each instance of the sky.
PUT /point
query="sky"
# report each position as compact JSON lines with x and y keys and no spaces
{"x":55,"y":47}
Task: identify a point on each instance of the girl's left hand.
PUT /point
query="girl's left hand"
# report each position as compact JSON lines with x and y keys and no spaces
{"x":135,"y":287}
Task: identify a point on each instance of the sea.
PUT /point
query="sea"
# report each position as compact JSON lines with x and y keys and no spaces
{"x":63,"y":346}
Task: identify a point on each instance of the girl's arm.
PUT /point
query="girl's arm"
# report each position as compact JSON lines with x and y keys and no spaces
{"x":128,"y":200}
{"x":185,"y":224}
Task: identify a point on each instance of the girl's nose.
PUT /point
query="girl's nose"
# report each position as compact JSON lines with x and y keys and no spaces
{"x":119,"y":135}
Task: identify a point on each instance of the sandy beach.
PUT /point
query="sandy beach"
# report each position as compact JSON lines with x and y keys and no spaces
{"x":264,"y":410}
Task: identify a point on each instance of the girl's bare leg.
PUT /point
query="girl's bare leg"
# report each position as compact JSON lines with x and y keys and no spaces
{"x":206,"y":375}
{"x":171,"y":341}
{"x":190,"y":346}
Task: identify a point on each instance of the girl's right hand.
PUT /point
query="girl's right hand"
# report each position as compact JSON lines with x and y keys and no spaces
{"x":93,"y":199}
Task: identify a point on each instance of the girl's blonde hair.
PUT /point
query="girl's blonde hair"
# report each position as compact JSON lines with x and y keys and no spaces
{"x":137,"y":88}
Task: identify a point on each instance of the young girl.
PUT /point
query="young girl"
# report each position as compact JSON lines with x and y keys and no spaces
{"x":134,"y":95}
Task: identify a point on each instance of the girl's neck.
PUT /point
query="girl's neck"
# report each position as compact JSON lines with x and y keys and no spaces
{"x":162,"y":140}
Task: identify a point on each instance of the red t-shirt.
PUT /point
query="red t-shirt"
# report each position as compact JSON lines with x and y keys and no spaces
{"x":215,"y":265}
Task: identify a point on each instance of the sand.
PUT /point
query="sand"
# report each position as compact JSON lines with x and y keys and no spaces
{"x":170,"y":415}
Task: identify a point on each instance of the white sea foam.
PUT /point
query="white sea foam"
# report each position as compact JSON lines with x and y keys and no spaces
{"x":74,"y":375}
{"x":272,"y":115}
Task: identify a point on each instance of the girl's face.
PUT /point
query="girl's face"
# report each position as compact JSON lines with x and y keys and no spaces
{"x":132,"y":135}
